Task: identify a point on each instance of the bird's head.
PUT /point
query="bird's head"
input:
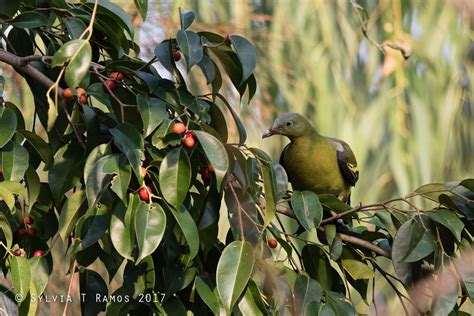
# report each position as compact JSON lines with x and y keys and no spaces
{"x":289,"y":124}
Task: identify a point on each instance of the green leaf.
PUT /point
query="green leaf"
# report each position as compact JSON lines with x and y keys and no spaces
{"x":215,"y":153}
{"x":400,"y":247}
{"x":190,"y":45}
{"x":306,"y":290}
{"x":78,"y":54}
{"x":92,"y":286}
{"x":101,"y":176}
{"x":468,"y":184}
{"x":207,"y":295}
{"x":70,"y":213}
{"x":238,"y":122}
{"x":9,"y":7}
{"x":7,"y":231}
{"x":357,"y":270}
{"x":130,"y":142}
{"x":175,"y":177}
{"x":41,"y":147}
{"x":208,"y":68}
{"x":74,"y":26}
{"x":66,"y":170}
{"x":150,"y":226}
{"x":189,"y":229}
{"x":247,"y":55}
{"x":115,"y":12}
{"x":153,"y":112}
{"x":445,"y":302}
{"x":21,"y":276}
{"x":164,"y":54}
{"x":142,"y":6}
{"x":186,"y":19}
{"x":95,"y":154}
{"x":122,"y":227}
{"x":29,"y":20}
{"x":307,"y":208}
{"x":270,"y":199}
{"x":8,"y":124}
{"x":233,"y":272}
{"x":39,"y":273}
{"x":421,"y":243}
{"x":448,"y":219}
{"x":14,"y":161}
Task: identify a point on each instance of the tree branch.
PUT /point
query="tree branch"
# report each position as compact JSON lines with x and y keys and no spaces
{"x":21,"y":65}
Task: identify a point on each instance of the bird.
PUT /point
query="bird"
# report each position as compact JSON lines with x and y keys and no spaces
{"x":312,"y":161}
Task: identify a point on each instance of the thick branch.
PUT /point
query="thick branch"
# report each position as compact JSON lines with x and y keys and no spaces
{"x":21,"y":65}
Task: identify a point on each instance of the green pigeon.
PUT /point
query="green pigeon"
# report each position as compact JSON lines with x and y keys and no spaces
{"x":314,"y":162}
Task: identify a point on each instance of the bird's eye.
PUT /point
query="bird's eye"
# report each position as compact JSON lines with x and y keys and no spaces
{"x":289,"y":123}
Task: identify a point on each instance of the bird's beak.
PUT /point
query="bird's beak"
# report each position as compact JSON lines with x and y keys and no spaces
{"x":269,"y":132}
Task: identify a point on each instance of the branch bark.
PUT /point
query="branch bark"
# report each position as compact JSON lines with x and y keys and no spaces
{"x":21,"y":65}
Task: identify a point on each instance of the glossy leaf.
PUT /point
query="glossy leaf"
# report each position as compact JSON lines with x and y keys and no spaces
{"x":8,"y":124}
{"x":175,"y":177}
{"x":307,"y":208}
{"x":130,"y":142}
{"x":270,"y":195}
{"x":70,"y":213}
{"x":190,"y":45}
{"x":78,"y":56}
{"x":14,"y":161}
{"x":6,"y":229}
{"x":215,"y":153}
{"x":150,"y":225}
{"x":207,"y":295}
{"x":21,"y":276}
{"x":186,"y":19}
{"x":190,"y":231}
{"x":153,"y":112}
{"x":233,"y":272}
{"x":66,"y":170}
{"x":122,"y":227}
{"x":39,"y":273}
{"x":29,"y":20}
{"x":41,"y":147}
{"x":247,"y":55}
{"x":142,"y":6}
{"x":92,"y":286}
{"x":448,"y":219}
{"x":164,"y":54}
{"x":357,"y":269}
{"x":306,"y":290}
{"x":445,"y":302}
{"x":421,"y":243}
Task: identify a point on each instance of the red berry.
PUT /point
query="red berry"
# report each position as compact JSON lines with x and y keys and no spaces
{"x":189,"y":140}
{"x":83,"y":99}
{"x":20,"y":252}
{"x":176,"y":55}
{"x":206,"y":173}
{"x":144,"y":193}
{"x":32,"y":232}
{"x":1,"y":170}
{"x":67,"y":94}
{"x":272,"y":243}
{"x":22,"y":232}
{"x":38,"y":253}
{"x":80,"y":91}
{"x":116,"y":75}
{"x":28,"y":220}
{"x":227,"y":40}
{"x":110,"y":84}
{"x":178,"y":128}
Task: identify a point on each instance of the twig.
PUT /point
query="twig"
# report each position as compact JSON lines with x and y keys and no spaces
{"x":70,"y":287}
{"x":69,"y":118}
{"x":239,"y":211}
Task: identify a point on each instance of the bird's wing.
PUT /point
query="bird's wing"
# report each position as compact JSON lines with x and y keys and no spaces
{"x":347,"y":161}
{"x":282,"y":160}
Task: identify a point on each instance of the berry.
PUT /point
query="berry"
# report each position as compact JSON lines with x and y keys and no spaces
{"x":144,"y":193}
{"x":80,"y":91}
{"x":28,"y":220}
{"x":176,"y":55}
{"x":179,"y":128}
{"x":1,"y":170}
{"x":116,"y":75}
{"x":206,"y":173}
{"x":272,"y":243}
{"x":227,"y":40}
{"x":143,"y":171}
{"x":19,"y":252}
{"x":32,"y":232}
{"x":67,"y":94}
{"x":110,"y":84}
{"x":189,"y":140}
{"x":38,"y":253}
{"x":22,"y":232}
{"x":83,"y":99}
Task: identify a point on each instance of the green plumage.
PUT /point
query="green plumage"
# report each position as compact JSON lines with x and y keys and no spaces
{"x":312,"y":161}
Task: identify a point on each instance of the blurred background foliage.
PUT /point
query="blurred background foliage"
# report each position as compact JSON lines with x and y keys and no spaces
{"x":409,"y":122}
